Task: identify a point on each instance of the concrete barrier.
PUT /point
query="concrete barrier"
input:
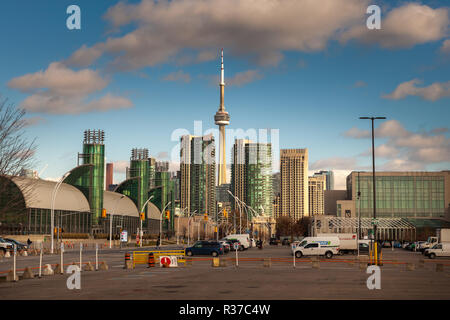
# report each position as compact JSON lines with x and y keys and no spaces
{"x":88,"y":267}
{"x":24,"y":253}
{"x":7,"y":254}
{"x":59,"y":269}
{"x":48,"y":271}
{"x":439,"y":267}
{"x":410,"y":266}
{"x":103,"y":266}
{"x":27,"y":273}
{"x":10,"y":276}
{"x":267,"y":262}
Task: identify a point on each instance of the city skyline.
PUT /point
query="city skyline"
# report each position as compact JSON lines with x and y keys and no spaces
{"x":313,"y":92}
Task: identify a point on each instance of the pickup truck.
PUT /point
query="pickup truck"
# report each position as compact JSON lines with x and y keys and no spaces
{"x":442,"y":236}
{"x":438,"y":250}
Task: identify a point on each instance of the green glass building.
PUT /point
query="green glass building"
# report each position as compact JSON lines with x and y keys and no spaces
{"x":139,"y":168}
{"x":251,"y":175}
{"x":401,"y":194}
{"x":91,"y":179}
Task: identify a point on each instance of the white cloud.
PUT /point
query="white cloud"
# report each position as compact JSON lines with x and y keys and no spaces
{"x":257,"y":29}
{"x":60,"y":90}
{"x":334,"y":163}
{"x":432,"y":92}
{"x":178,"y":76}
{"x":404,"y":27}
{"x":244,"y":77}
{"x":406,"y":149}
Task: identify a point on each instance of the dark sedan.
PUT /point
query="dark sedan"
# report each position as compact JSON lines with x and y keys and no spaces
{"x":210,"y":248}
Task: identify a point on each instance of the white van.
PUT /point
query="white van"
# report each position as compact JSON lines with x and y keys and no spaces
{"x":244,"y":239}
{"x":438,"y":250}
{"x":317,"y":246}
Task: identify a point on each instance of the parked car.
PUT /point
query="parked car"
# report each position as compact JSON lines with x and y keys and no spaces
{"x":5,"y":246}
{"x":232,"y":241}
{"x":20,"y":246}
{"x":204,"y":247}
{"x":226,"y":246}
{"x":274,"y":241}
{"x":364,"y":248}
{"x":386,"y":244}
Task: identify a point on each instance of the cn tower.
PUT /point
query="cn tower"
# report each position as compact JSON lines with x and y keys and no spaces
{"x":222,"y":119}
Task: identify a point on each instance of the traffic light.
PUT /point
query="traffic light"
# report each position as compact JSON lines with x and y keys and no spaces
{"x":206,"y":216}
{"x":56,"y":230}
{"x":167,"y":214}
{"x":103,"y":213}
{"x":225,"y":213}
{"x":215,"y":229}
{"x":142,"y":216}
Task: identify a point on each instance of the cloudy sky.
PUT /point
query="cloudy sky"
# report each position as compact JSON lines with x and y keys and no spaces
{"x":144,"y":71}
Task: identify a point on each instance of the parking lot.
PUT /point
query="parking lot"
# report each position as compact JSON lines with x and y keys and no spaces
{"x":338,"y":278}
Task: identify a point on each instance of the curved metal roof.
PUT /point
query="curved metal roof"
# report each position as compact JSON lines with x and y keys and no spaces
{"x":115,"y":204}
{"x":38,"y":194}
{"x":153,"y":212}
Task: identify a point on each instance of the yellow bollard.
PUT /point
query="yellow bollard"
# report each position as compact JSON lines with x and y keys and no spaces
{"x":375,"y":254}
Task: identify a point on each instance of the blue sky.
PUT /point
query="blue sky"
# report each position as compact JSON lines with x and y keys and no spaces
{"x":310,"y":81}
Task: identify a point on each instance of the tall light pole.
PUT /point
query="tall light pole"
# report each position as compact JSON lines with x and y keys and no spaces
{"x":111,"y":220}
{"x":189,"y":226}
{"x":236,"y":199}
{"x":141,"y":233}
{"x":160,"y":223}
{"x":373,"y":178}
{"x":178,"y":226}
{"x":52,"y":212}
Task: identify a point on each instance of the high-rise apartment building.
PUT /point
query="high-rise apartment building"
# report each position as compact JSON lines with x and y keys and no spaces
{"x":198,"y":179}
{"x":329,"y":175}
{"x":317,"y":185}
{"x":294,"y":183}
{"x":251,"y":175}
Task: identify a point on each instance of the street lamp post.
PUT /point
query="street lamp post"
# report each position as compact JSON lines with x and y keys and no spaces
{"x":189,"y":226}
{"x":141,"y":233}
{"x":160,"y":223}
{"x":111,"y":220}
{"x":52,"y":212}
{"x":178,"y":227}
{"x":236,"y":199}
{"x":373,"y":179}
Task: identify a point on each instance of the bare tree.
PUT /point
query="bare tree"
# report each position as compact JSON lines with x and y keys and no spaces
{"x":16,"y":154}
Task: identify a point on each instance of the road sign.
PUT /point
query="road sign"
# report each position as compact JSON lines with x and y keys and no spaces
{"x":236,"y":246}
{"x":15,"y":249}
{"x":124,"y":236}
{"x":172,"y":261}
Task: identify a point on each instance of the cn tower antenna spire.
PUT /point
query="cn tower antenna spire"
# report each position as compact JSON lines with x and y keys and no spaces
{"x":222,"y":119}
{"x":222,"y":76}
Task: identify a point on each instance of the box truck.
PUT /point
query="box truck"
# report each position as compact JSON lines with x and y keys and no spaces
{"x":348,"y":241}
{"x":317,"y":246}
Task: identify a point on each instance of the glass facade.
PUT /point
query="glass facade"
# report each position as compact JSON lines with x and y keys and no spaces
{"x":402,"y":196}
{"x":140,"y":169}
